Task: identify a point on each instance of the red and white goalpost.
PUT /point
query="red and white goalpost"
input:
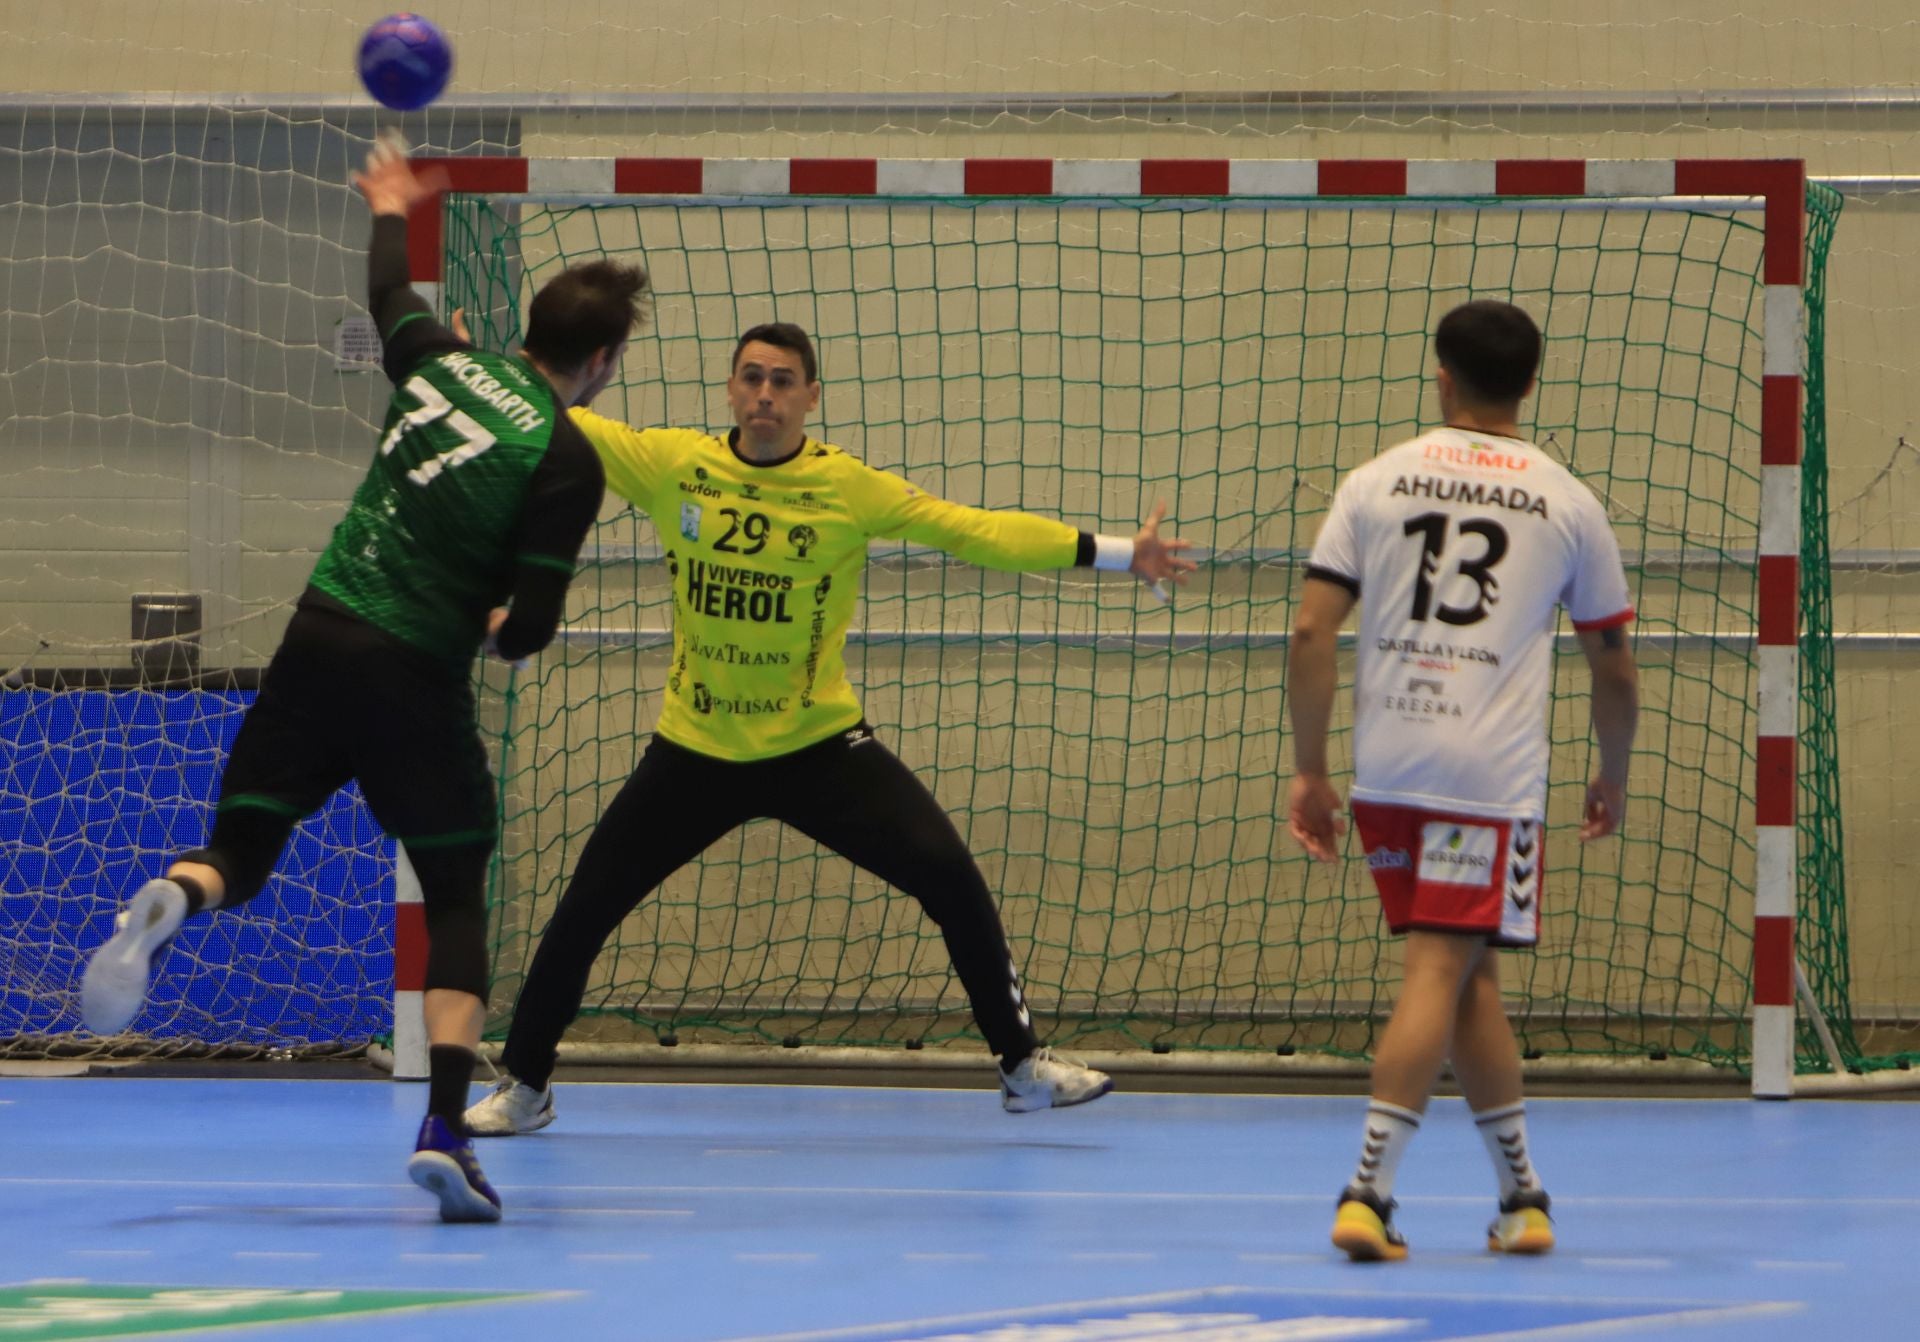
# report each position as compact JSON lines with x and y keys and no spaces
{"x":1775,"y":187}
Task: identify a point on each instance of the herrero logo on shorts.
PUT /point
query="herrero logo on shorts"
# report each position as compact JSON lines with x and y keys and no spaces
{"x":1453,"y":854}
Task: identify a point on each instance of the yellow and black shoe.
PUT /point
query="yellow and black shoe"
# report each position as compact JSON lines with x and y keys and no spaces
{"x":1524,"y":1226}
{"x":1363,"y":1228}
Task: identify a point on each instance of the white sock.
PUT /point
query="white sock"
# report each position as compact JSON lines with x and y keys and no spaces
{"x":1388,"y":1130}
{"x":1504,"y":1130}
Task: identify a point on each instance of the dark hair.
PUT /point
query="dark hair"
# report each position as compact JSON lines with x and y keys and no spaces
{"x":781,"y":335}
{"x":583,"y":309}
{"x":1491,"y":348}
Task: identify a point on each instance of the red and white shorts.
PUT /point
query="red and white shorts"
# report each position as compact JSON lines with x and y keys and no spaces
{"x":1441,"y":871}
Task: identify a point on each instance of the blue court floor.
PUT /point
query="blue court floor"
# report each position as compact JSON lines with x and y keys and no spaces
{"x":708,"y":1213}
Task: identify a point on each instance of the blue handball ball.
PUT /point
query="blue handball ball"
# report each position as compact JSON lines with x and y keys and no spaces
{"x":405,"y":61}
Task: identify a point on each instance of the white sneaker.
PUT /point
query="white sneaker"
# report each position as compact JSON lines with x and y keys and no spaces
{"x":510,"y":1107}
{"x":1045,"y":1080}
{"x":114,"y":988}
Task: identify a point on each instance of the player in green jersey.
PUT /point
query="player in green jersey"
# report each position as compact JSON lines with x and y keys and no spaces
{"x":464,"y":533}
{"x":766,"y":532}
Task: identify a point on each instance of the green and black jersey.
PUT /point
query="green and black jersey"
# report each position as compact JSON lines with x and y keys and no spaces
{"x":481,"y":489}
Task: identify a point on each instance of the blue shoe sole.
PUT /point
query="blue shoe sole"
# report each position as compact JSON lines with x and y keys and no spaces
{"x":117,"y":979}
{"x":440,"y":1174}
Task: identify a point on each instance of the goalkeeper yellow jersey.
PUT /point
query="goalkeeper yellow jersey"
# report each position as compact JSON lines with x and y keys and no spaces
{"x":766,"y":564}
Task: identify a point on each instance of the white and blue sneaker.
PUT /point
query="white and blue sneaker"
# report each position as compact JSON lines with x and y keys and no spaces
{"x":443,"y":1163}
{"x":1045,"y":1080}
{"x":114,"y":987}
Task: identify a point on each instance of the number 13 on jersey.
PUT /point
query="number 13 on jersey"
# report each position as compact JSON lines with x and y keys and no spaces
{"x":1432,"y":530}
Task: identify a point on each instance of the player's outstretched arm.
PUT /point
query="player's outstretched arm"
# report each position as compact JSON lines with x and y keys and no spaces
{"x":1616,"y":710}
{"x":1313,"y":804}
{"x":1007,"y":539}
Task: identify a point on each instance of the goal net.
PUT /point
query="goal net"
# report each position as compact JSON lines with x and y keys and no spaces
{"x":1081,"y":340}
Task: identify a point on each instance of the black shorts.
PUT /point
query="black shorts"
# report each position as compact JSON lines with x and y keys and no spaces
{"x":342,"y":700}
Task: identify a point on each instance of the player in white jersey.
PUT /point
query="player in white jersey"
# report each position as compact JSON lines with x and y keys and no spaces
{"x":1458,"y":545}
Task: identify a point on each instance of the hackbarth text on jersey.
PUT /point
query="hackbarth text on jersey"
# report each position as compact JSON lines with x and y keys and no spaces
{"x":428,"y":544}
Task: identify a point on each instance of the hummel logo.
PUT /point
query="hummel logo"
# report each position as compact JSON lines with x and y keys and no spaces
{"x":1523,"y":902}
{"x":1521,"y":875}
{"x":1523,"y":839}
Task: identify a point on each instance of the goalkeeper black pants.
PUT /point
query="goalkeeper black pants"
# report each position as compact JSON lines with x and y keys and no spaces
{"x":849,"y":793}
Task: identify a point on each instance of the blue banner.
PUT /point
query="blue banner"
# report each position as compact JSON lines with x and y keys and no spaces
{"x":98,"y":790}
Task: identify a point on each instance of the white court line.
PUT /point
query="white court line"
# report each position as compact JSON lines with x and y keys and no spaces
{"x":1799,"y":1265}
{"x":776,"y":1257}
{"x":202,"y":1183}
{"x":1625,"y":1263}
{"x":609,"y":1211}
{"x":1642,"y":1323}
{"x":202,"y":1209}
{"x":206,"y":1208}
{"x":741,"y":1151}
{"x":1065,"y":1194}
{"x":1288,"y":1257}
{"x":1682,"y":1312}
{"x":275,"y":1253}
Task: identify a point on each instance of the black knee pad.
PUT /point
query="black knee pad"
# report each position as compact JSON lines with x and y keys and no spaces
{"x":453,"y":888}
{"x":457,"y":949}
{"x":246,"y":843}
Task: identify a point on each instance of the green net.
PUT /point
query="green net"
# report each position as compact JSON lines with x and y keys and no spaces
{"x":1116,"y":766}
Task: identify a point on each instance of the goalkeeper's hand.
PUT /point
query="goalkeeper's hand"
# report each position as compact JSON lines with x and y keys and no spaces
{"x":495,"y":618}
{"x":1156,"y":558}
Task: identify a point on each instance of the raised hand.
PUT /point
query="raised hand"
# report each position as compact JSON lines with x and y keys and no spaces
{"x":389,"y":182}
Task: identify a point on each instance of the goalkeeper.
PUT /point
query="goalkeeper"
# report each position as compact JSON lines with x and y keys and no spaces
{"x":766,"y":532}
{"x":481,"y":492}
